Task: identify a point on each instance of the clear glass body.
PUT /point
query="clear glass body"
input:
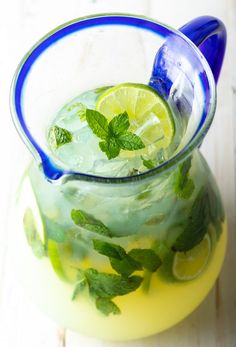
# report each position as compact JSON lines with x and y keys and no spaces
{"x":175,"y":210}
{"x":143,"y":215}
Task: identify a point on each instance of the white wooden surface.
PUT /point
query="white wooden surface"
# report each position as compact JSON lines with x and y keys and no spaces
{"x":22,"y":22}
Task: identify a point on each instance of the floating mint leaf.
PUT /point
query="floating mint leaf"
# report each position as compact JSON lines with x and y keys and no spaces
{"x":87,"y":221}
{"x":149,"y":164}
{"x":110,"y":148}
{"x":129,"y":141}
{"x":196,"y":226}
{"x":109,"y":249}
{"x":119,"y":124}
{"x":152,"y":163}
{"x":107,"y":306}
{"x":32,"y":235}
{"x":58,"y":136}
{"x":114,"y":135}
{"x":105,"y":285}
{"x":147,"y":257}
{"x":97,"y":123}
{"x":184,"y":186}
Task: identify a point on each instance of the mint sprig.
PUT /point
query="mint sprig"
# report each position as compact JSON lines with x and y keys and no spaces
{"x":107,"y":285}
{"x":115,"y":134}
{"x":126,"y":263}
{"x":104,"y":287}
{"x":58,"y":137}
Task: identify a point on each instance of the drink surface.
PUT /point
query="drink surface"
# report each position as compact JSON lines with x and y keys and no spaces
{"x":150,"y":118}
{"x":132,"y":259}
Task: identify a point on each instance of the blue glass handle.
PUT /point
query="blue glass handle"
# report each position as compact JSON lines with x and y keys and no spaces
{"x":209,"y":35}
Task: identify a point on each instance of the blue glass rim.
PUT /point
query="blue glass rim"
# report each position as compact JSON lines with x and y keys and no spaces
{"x":51,"y":170}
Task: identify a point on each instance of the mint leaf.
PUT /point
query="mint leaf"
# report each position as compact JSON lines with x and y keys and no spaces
{"x":109,"y":249}
{"x":144,"y":195}
{"x":184,"y":186}
{"x":106,"y":306}
{"x":58,"y":137}
{"x":125,"y":266}
{"x":129,"y":141}
{"x":215,"y":209}
{"x":149,"y":164}
{"x":54,"y":230}
{"x":119,"y":124}
{"x":147,"y":257}
{"x":32,"y":235}
{"x":105,"y":285}
{"x":97,"y":123}
{"x":196,"y":226}
{"x":187,"y":190}
{"x":110,"y":148}
{"x":87,"y":221}
{"x":152,"y":163}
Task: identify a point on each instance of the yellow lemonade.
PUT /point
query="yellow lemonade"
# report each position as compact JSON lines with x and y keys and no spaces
{"x":143,"y":313}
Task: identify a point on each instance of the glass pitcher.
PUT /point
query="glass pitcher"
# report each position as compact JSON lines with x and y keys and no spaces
{"x":119,"y":257}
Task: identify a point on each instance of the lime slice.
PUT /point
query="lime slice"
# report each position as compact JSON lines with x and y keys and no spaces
{"x":188,"y":265}
{"x":150,"y":116}
{"x":63,"y":260}
{"x":55,"y":256}
{"x":28,"y":202}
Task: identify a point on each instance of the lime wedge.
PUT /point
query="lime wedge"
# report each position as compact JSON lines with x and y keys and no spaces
{"x":189,"y":265}
{"x":149,"y":114}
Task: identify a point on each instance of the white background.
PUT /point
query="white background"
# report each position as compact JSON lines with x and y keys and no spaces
{"x":22,"y":23}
